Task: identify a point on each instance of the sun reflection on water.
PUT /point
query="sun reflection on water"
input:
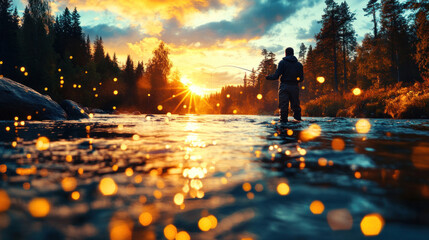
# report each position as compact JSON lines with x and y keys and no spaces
{"x":198,"y":182}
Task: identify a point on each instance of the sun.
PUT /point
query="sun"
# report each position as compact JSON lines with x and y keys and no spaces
{"x":194,"y":89}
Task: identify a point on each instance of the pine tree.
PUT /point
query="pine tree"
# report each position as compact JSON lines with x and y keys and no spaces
{"x":347,"y":36}
{"x":394,"y":28}
{"x":302,"y":53}
{"x":37,"y":46}
{"x":245,"y":80}
{"x":328,"y":37}
{"x":421,"y":28}
{"x":371,"y":9}
{"x":9,"y":49}
{"x":157,"y":70}
{"x":253,"y":78}
{"x":98,"y":50}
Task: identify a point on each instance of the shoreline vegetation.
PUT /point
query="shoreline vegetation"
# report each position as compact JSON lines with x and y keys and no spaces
{"x":397,"y":101}
{"x":53,"y":55}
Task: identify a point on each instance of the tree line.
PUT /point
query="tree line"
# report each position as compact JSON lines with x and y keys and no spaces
{"x":396,"y":51}
{"x":53,"y":56}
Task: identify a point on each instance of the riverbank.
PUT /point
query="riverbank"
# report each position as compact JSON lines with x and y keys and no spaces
{"x":396,"y":101}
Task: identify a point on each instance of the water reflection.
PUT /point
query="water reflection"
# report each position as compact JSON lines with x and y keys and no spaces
{"x":205,"y":177}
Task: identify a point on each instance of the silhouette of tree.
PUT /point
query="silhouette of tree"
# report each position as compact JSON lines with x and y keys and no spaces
{"x":328,"y":37}
{"x":347,"y":36}
{"x":38,"y":55}
{"x":421,"y":29}
{"x":9,"y":49}
{"x":245,"y":80}
{"x":157,"y":71}
{"x":371,"y":9}
{"x":302,"y":53}
{"x":395,"y":30}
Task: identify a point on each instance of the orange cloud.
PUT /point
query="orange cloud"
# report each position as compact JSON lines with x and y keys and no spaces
{"x":201,"y":64}
{"x":148,"y":12}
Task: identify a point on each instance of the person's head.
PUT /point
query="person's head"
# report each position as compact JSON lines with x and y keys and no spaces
{"x":289,"y":51}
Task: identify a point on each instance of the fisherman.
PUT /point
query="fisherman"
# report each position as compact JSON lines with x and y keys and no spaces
{"x":292,"y":73}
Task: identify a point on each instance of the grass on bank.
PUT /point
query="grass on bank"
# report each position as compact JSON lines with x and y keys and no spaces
{"x":396,"y":101}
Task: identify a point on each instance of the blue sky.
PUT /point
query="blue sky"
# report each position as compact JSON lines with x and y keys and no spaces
{"x":204,"y":34}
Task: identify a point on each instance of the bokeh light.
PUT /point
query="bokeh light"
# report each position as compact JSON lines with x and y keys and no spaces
{"x":4,"y":201}
{"x":363,"y":126}
{"x":317,"y":207}
{"x":357,"y":91}
{"x":75,"y":195}
{"x":338,"y":144}
{"x":247,"y":187}
{"x":170,"y":232}
{"x":420,"y":156}
{"x":283,"y":189}
{"x":372,"y":224}
{"x":39,"y":207}
{"x":321,"y":79}
{"x":42,"y":143}
{"x":120,"y":230}
{"x":179,"y":198}
{"x":182,"y":235}
{"x":69,"y":184}
{"x":145,"y":219}
{"x":259,"y":96}
{"x":311,"y":132}
{"x":340,"y":219}
{"x":108,"y":186}
{"x":204,"y":224}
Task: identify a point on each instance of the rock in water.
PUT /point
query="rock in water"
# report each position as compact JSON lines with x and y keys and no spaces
{"x":17,"y":100}
{"x":73,"y":110}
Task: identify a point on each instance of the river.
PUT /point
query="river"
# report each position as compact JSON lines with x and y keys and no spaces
{"x":214,"y":177}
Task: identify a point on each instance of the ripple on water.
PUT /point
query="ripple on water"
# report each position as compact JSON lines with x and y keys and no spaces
{"x":212,"y":176}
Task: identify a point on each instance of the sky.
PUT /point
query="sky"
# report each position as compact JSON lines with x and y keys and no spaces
{"x":204,"y":35}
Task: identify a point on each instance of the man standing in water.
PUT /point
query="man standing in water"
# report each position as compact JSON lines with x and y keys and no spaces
{"x":292,"y":73}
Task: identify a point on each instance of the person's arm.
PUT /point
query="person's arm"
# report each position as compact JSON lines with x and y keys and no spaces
{"x":278,"y":72}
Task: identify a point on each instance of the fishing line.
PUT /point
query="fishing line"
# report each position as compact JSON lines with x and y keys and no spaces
{"x":231,"y":66}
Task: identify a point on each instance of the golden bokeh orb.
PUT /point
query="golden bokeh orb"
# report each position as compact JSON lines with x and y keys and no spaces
{"x":42,"y":143}
{"x":357,"y":91}
{"x":39,"y":207}
{"x":108,"y":186}
{"x":317,"y":207}
{"x":363,"y":126}
{"x":372,"y":224}
{"x":145,"y":219}
{"x":283,"y":189}
{"x":320,"y":79}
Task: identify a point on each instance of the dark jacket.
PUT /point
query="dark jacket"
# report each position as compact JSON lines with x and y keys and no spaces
{"x":291,"y":71}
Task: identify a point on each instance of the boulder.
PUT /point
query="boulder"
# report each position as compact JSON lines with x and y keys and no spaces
{"x":73,"y":110}
{"x":17,"y":100}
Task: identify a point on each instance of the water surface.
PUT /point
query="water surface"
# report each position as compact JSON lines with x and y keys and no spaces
{"x":238,"y":177}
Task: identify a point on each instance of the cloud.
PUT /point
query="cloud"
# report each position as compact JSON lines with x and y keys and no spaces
{"x":200,"y":64}
{"x":197,"y":45}
{"x":108,"y":32}
{"x":309,"y":33}
{"x":138,"y":10}
{"x":255,"y":20}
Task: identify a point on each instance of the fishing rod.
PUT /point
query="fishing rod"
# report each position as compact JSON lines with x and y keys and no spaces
{"x":233,"y":66}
